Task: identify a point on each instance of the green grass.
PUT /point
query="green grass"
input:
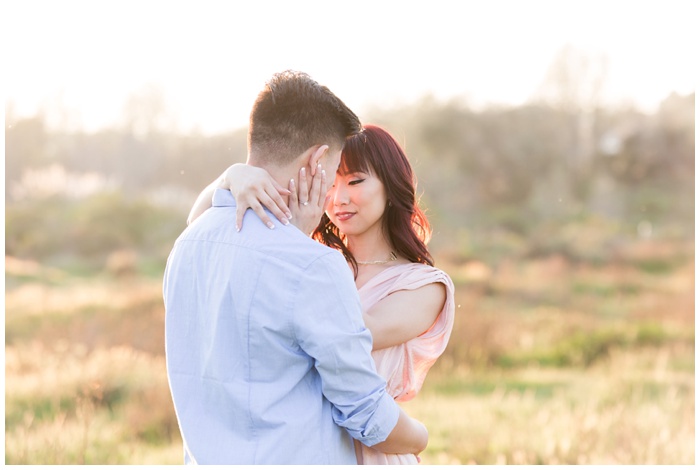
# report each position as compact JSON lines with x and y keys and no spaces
{"x":481,"y":386}
{"x":658,"y":267}
{"x":604,"y":289}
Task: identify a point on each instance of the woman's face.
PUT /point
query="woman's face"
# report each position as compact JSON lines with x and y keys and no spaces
{"x":357,"y":202}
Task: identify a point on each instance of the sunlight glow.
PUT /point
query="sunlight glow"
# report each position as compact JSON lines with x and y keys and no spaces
{"x":78,"y":61}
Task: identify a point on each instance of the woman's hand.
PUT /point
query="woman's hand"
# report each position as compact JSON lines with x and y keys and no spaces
{"x":253,"y":188}
{"x":307,"y":205}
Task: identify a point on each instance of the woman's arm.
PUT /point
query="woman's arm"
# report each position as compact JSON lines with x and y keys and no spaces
{"x":253,"y":188}
{"x":409,"y":436}
{"x":404,"y":315}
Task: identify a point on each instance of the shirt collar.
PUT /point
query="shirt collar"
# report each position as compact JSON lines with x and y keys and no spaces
{"x":223,"y":197}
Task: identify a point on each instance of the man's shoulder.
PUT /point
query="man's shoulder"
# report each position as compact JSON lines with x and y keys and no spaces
{"x":305,"y":250}
{"x":286,"y":243}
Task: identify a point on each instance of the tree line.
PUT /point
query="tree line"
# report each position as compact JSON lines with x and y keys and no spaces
{"x":511,"y":168}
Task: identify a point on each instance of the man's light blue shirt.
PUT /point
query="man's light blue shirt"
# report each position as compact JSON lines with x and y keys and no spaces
{"x":268,"y":357}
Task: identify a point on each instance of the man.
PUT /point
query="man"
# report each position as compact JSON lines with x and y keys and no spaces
{"x":268,"y":358}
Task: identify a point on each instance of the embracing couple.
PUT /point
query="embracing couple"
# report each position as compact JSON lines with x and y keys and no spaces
{"x":292,"y":343}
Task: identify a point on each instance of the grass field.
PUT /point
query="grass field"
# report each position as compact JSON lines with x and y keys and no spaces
{"x":551,"y":362}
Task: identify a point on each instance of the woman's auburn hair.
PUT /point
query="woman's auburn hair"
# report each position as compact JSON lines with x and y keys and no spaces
{"x":405,"y":225}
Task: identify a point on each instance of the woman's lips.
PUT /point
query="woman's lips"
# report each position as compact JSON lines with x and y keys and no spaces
{"x":343,"y":216}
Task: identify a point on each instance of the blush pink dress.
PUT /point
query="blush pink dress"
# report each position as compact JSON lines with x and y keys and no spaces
{"x":405,"y":366}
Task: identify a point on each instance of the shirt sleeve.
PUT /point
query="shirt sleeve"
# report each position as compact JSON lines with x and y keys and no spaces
{"x":330,"y":329}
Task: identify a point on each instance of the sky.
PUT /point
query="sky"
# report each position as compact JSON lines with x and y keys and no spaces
{"x":78,"y":61}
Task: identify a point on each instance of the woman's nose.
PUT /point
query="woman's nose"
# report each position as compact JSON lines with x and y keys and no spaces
{"x":340,"y":195}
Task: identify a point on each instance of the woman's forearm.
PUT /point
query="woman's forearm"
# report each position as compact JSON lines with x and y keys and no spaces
{"x":409,"y":436}
{"x":253,"y":188}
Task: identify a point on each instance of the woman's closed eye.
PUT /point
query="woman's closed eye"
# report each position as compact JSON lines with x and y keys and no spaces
{"x":354,"y":182}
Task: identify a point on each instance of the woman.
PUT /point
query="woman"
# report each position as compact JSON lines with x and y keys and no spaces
{"x":372,"y":217}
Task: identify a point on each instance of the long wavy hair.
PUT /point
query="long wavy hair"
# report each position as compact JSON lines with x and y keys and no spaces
{"x":405,"y":225}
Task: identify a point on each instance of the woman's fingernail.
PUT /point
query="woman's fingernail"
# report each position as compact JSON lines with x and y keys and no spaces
{"x":285,"y":221}
{"x":289,"y":215}
{"x":303,"y":171}
{"x":271,"y":225}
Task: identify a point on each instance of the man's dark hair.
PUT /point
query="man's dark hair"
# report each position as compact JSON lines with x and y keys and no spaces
{"x":292,"y":113}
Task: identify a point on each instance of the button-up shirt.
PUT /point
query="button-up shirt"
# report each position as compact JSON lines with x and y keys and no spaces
{"x":267,"y":354}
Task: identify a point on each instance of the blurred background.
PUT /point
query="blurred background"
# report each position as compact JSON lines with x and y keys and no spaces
{"x":554,"y":143}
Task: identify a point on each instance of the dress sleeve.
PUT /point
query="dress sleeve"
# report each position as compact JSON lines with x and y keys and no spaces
{"x":422,"y":352}
{"x":442,"y":328}
{"x":330,"y":329}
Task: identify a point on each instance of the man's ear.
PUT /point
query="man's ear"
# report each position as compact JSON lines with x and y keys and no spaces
{"x":316,"y":156}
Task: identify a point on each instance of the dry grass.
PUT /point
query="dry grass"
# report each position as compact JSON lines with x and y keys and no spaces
{"x":85,"y":374}
{"x":550,"y":362}
{"x":615,"y":413}
{"x":66,"y":404}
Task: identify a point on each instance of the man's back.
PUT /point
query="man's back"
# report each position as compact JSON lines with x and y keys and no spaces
{"x":266,"y":349}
